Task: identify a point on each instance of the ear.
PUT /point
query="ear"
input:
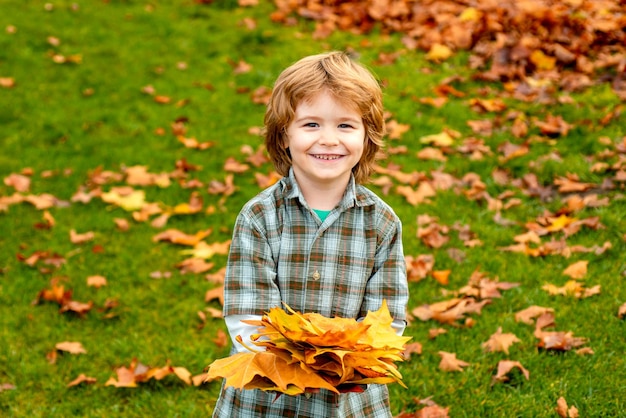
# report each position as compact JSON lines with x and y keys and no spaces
{"x":284,"y":137}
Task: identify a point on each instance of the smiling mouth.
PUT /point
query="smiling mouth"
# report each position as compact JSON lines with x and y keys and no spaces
{"x":326,"y":156}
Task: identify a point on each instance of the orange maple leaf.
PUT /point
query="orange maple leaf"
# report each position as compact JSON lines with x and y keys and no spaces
{"x":450,"y":363}
{"x":306,"y":352}
{"x":500,"y":342}
{"x":505,"y":367}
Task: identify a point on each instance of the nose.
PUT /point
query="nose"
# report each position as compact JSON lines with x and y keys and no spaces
{"x":328,"y":137}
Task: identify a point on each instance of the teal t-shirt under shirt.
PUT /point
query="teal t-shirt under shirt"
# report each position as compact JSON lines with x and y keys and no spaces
{"x":322,"y":213}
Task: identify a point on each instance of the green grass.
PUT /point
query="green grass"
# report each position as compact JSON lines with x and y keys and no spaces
{"x":72,"y":119}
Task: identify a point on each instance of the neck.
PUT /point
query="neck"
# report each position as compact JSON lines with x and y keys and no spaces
{"x":322,"y":196}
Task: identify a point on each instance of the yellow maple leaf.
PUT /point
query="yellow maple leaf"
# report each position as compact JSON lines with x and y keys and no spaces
{"x":557,"y":224}
{"x":438,"y":53}
{"x":306,"y":352}
{"x":129,"y":202}
{"x":266,"y":371}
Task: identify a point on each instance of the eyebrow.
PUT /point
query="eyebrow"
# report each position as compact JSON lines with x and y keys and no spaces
{"x":342,"y":119}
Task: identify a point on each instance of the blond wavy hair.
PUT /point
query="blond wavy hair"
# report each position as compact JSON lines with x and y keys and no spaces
{"x":348,"y":81}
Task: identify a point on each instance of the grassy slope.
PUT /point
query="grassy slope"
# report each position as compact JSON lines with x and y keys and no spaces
{"x":48,"y":124}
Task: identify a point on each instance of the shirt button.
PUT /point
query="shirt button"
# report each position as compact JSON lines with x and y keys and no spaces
{"x":316,"y":275}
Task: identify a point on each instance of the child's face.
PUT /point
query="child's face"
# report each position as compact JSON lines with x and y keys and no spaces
{"x":326,"y":140}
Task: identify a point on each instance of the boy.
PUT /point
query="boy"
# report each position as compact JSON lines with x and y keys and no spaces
{"x":317,"y":240}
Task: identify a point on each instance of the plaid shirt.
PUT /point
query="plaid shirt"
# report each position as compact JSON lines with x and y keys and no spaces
{"x":344,"y":266}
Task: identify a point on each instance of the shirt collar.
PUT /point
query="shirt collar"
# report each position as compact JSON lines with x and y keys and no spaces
{"x":354,"y":195}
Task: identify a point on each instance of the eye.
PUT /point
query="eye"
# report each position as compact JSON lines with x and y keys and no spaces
{"x":311,"y":125}
{"x":345,"y":126}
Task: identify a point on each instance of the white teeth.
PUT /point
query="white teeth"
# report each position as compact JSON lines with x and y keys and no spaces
{"x":327,"y":157}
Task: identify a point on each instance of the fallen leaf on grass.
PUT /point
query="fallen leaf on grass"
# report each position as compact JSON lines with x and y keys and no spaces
{"x":235,"y":166}
{"x":527,"y":315}
{"x":138,"y":175}
{"x":194,"y":266}
{"x":178,"y":237}
{"x":505,"y":367}
{"x":585,"y":351}
{"x":96,"y":281}
{"x":7,"y":82}
{"x":500,"y":342}
{"x":57,"y":293}
{"x":221,"y":339}
{"x":217,"y":277}
{"x":577,"y":270}
{"x":82,"y":379}
{"x":411,"y":348}
{"x":621,"y":312}
{"x":435,"y":332}
{"x":264,"y":181}
{"x":419,"y":267}
{"x":572,"y":288}
{"x":71,"y":347}
{"x":7,"y":386}
{"x":217,"y":293}
{"x":19,"y":182}
{"x":564,"y":411}
{"x":416,"y":196}
{"x":137,"y":372}
{"x":206,"y":251}
{"x":430,"y":411}
{"x":128,"y":199}
{"x":442,"y":276}
{"x":194,"y":143}
{"x":449,"y":362}
{"x":395,"y":130}
{"x":559,"y":340}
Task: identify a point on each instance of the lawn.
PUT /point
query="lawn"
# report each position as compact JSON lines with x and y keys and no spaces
{"x":129,"y":133}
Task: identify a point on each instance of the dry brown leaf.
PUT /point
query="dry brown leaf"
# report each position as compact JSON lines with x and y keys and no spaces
{"x":77,"y":238}
{"x":217,"y":277}
{"x":215,"y":313}
{"x":585,"y":351}
{"x":411,"y":348}
{"x":395,"y":130}
{"x":96,"y":281}
{"x":217,"y":293}
{"x":221,"y":339}
{"x":194,"y":266}
{"x":527,"y":315}
{"x":435,"y":332}
{"x":206,"y":251}
{"x":430,"y":153}
{"x":419,"y":267}
{"x":235,"y":166}
{"x":176,"y":236}
{"x":500,"y":342}
{"x":449,"y":362}
{"x":19,"y":182}
{"x":505,"y":367}
{"x":572,"y":288}
{"x":82,"y":379}
{"x":416,"y":196}
{"x":578,"y":270}
{"x":71,"y":347}
{"x":564,"y":411}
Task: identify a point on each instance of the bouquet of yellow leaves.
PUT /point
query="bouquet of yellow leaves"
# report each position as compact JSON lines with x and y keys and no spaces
{"x":308,"y":352}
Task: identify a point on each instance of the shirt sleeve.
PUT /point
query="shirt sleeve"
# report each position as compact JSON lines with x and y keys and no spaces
{"x":389,"y":281}
{"x":250,"y":286}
